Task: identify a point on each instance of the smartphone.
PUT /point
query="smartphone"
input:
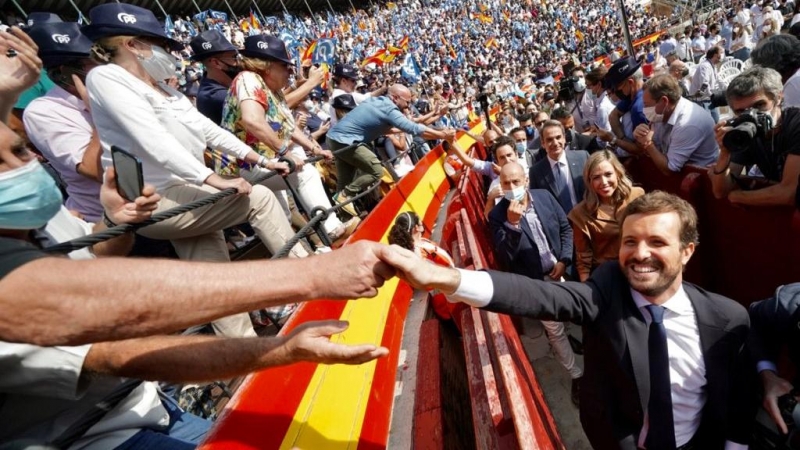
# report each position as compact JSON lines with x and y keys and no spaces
{"x":128,"y":168}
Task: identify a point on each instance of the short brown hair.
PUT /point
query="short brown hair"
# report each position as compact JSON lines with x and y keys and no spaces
{"x":596,"y":75}
{"x":553,"y":124}
{"x":658,"y":202}
{"x":664,"y":86}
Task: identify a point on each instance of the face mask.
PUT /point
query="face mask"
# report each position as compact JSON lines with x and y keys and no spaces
{"x":621,"y":95}
{"x":579,"y":85}
{"x":29,"y":197}
{"x":529,"y":131}
{"x":160,"y":65}
{"x":651,"y":114}
{"x":310,"y":107}
{"x":521,"y":147}
{"x":232,"y":71}
{"x":518,"y":193}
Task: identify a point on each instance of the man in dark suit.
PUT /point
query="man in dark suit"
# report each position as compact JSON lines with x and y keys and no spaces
{"x":776,"y":322}
{"x":665,"y":360}
{"x":575,"y":140}
{"x":561,"y":172}
{"x":532,"y":237}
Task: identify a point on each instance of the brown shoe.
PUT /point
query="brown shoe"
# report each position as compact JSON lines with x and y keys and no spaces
{"x":349,"y":208}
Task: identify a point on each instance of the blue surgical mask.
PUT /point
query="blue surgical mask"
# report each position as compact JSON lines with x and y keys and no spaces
{"x":529,"y":131}
{"x":29,"y":197}
{"x":517,"y":193}
{"x":521,"y":147}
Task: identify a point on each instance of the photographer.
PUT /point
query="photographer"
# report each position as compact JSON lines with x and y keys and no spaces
{"x":762,"y":134}
{"x":774,"y":323}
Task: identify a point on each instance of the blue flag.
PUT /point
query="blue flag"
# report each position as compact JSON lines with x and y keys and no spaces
{"x":289,"y":40}
{"x":169,"y":26}
{"x":219,"y":15}
{"x":324,"y":52}
{"x":410,"y":70}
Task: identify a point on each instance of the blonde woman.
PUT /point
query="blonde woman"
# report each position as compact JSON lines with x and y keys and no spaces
{"x":256,"y":112}
{"x":594,"y":223}
{"x":134,"y":109}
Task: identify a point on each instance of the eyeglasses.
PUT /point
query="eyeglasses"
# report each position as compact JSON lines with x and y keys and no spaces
{"x":540,"y":123}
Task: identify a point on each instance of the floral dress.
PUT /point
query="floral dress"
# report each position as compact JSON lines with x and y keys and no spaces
{"x":250,"y":86}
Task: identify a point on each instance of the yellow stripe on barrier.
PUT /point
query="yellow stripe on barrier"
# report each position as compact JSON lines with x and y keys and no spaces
{"x":331,"y":413}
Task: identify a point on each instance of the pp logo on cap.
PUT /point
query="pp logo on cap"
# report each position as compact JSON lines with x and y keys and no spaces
{"x":126,"y":18}
{"x":30,"y":22}
{"x":60,"y":38}
{"x":262,"y":45}
{"x":622,"y":69}
{"x":206,"y":45}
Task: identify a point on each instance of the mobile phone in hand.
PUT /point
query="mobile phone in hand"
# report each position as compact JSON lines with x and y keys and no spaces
{"x":128,"y":168}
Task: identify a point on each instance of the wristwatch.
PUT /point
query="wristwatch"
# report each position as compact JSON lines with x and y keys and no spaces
{"x":107,"y":221}
{"x":262,"y":161}
{"x":613,"y":142}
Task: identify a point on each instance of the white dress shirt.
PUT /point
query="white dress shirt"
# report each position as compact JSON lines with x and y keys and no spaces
{"x":59,"y":126}
{"x":565,"y":170}
{"x":168,"y":134}
{"x":706,"y":74}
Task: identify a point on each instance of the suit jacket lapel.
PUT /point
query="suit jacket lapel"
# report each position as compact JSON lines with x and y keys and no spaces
{"x":710,"y":323}
{"x":576,"y":173}
{"x":548,"y":176}
{"x":636,"y":335}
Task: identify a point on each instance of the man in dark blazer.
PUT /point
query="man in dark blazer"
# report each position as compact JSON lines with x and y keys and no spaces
{"x":567,"y":186}
{"x":575,"y":140}
{"x":638,"y":317}
{"x":516,"y":232}
{"x":775,"y":324}
{"x":533,"y":237}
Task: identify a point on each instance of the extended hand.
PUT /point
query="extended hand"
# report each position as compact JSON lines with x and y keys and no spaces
{"x":774,"y":387}
{"x":311,"y":342}
{"x":315,"y":75}
{"x":643,"y":134}
{"x":353,"y":271}
{"x":420,"y":275}
{"x":21,"y":71}
{"x":120,"y":210}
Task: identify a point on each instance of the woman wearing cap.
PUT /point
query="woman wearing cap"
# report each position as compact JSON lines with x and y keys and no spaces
{"x":257,"y":113}
{"x":135,"y":110}
{"x":594,"y":220}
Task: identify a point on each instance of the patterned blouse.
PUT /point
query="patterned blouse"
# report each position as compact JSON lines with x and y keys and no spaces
{"x":250,"y":86}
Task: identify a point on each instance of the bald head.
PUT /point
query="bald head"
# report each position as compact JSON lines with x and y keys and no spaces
{"x":512,"y":175}
{"x":677,"y":69}
{"x":399,"y":90}
{"x":489,"y":136}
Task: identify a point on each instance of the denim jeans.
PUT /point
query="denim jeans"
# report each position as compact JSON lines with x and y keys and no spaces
{"x":184,"y":432}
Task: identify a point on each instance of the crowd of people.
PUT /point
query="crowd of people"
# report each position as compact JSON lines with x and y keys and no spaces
{"x":202,"y":107}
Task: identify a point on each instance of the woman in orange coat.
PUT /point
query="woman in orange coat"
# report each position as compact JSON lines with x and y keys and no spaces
{"x":594,"y":222}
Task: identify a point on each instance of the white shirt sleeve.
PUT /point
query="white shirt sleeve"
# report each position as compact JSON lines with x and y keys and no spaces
{"x":121,"y":100}
{"x":729,"y":445}
{"x":41,"y":371}
{"x":476,"y":289}
{"x":219,"y":138}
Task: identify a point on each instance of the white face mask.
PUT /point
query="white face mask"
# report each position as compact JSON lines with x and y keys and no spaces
{"x":160,"y":65}
{"x":579,"y":85}
{"x":651,"y":114}
{"x":517,"y":193}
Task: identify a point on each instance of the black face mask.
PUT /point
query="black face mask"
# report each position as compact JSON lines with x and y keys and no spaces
{"x":621,"y":95}
{"x":230,"y":70}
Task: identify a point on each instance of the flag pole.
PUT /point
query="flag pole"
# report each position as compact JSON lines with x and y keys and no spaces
{"x":312,"y":15}
{"x":24,"y":14}
{"x":80,"y":14}
{"x":286,"y":11}
{"x":263,"y":18}
{"x":199,"y":11}
{"x":236,"y":19}
{"x":162,"y":9}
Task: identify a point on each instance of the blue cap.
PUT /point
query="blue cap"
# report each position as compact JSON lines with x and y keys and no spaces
{"x":264,"y":46}
{"x":60,"y":42}
{"x":35,"y":18}
{"x":122,"y":19}
{"x":209,"y":43}
{"x":620,"y":71}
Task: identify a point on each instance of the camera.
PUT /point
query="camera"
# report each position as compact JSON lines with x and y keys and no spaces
{"x":787,"y":404}
{"x":566,"y":89}
{"x":747,"y":126}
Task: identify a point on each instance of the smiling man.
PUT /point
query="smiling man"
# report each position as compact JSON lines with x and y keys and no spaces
{"x":664,"y":360}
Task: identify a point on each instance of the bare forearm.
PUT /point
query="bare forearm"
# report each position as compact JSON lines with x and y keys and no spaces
{"x":262,"y":131}
{"x":775,"y":195}
{"x":722,"y":183}
{"x":431,"y":133}
{"x":659,"y":159}
{"x":90,"y":166}
{"x":185,"y":359}
{"x":298,"y":95}
{"x":55,"y":301}
{"x":118,"y":246}
{"x":616,"y":126}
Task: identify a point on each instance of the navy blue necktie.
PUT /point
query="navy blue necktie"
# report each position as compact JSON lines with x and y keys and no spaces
{"x":661,"y":431}
{"x":562,"y":188}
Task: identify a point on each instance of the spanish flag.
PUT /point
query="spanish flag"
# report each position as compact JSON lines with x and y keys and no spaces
{"x":256,"y":24}
{"x":507,"y":15}
{"x":309,"y":52}
{"x":391,"y":5}
{"x":579,"y":35}
{"x":380,"y":57}
{"x":403,"y":43}
{"x":483,"y":7}
{"x":491,"y":42}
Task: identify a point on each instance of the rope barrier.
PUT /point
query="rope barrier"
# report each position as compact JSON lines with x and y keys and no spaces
{"x":119,"y":230}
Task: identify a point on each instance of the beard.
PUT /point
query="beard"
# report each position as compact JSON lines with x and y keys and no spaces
{"x":654,"y":280}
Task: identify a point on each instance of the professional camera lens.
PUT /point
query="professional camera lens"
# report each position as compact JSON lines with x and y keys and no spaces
{"x":739,"y":139}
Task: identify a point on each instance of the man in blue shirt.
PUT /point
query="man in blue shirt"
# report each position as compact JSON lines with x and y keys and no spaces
{"x":368,"y":121}
{"x":219,"y":57}
{"x":624,"y":79}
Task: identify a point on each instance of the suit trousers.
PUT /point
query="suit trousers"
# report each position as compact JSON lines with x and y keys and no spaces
{"x":557,"y":336}
{"x":306,"y":182}
{"x":197,"y":235}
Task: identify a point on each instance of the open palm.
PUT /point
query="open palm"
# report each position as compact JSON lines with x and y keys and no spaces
{"x":19,"y":65}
